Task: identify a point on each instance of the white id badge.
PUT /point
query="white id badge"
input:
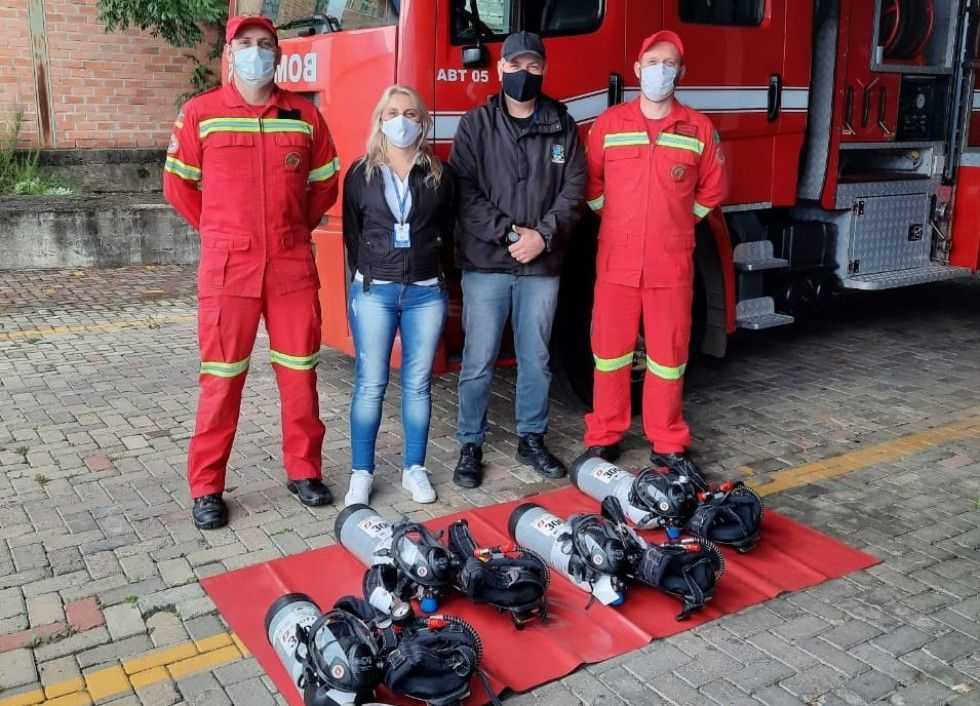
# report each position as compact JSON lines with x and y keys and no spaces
{"x":403,"y":235}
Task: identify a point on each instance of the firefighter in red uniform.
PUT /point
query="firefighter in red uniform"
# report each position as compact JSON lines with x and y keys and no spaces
{"x":655,"y":169}
{"x":253,"y":168}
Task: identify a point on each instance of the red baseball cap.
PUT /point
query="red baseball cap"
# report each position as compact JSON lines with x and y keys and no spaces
{"x":240,"y":22}
{"x":664,"y":35}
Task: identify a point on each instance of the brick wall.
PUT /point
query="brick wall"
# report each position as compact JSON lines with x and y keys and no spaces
{"x":108,"y":89}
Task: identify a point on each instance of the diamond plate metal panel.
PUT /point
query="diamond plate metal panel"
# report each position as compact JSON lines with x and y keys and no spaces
{"x":933,"y":272}
{"x":881,"y":228}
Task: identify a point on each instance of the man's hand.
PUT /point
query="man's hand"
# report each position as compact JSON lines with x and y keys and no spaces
{"x":530,"y":245}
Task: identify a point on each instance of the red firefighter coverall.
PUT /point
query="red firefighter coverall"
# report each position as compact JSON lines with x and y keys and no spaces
{"x":254,"y":180}
{"x":651,"y":181}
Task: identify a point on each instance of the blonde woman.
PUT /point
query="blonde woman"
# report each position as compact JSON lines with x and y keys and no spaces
{"x":398,"y":205}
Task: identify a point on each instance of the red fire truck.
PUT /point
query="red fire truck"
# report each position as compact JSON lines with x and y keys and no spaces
{"x":847,"y":127}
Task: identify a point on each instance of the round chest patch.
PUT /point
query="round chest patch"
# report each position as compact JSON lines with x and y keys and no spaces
{"x":664,"y":506}
{"x":422,"y":571}
{"x":337,"y":671}
{"x":598,"y":559}
{"x":292,"y":161}
{"x":678,"y":172}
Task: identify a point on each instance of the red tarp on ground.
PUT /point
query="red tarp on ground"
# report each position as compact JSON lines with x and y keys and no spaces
{"x":789,"y":557}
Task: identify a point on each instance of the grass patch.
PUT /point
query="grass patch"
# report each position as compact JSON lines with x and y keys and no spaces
{"x":20,"y":173}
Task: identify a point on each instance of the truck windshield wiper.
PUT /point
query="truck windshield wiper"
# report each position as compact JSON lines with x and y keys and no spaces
{"x":317,"y":23}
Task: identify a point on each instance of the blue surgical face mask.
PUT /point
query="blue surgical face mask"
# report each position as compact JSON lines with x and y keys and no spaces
{"x":255,"y":65}
{"x":400,"y":131}
{"x":657,"y":81}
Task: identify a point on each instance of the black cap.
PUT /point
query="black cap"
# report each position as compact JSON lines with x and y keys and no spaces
{"x":522,"y":43}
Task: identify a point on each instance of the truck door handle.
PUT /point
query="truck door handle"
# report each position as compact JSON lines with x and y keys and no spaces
{"x":866,"y":105}
{"x":883,"y":110}
{"x":775,"y":103}
{"x":615,"y":92}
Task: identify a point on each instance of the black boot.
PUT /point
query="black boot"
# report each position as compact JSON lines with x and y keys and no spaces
{"x":609,"y":452}
{"x":311,"y":492}
{"x":210,"y":512}
{"x":469,"y":468}
{"x":531,"y":451}
{"x":682,"y":465}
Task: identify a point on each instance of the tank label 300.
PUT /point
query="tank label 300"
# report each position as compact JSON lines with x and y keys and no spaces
{"x":376,"y":527}
{"x":549,"y":525}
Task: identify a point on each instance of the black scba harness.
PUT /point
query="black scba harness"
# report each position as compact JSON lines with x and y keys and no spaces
{"x":727,"y":513}
{"x":507,"y":577}
{"x":434,"y":661}
{"x":430,"y":659}
{"x":688,"y":569}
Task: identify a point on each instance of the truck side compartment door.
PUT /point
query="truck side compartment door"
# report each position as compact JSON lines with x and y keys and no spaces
{"x":736,"y":73}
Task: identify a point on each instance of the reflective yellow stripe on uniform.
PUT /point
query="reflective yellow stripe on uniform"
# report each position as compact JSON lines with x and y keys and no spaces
{"x":287,"y":125}
{"x":625,"y":139}
{"x":224,"y":370}
{"x":324,"y":172}
{"x":701,"y":211}
{"x":182,"y":169}
{"x":665,"y":371}
{"x":680,"y":142}
{"x":295,"y":362}
{"x":609,"y":365}
{"x":597,"y":203}
{"x":213,"y":125}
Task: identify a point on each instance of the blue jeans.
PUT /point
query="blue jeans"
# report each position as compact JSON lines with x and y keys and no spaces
{"x":418,"y":314}
{"x":488,"y":297}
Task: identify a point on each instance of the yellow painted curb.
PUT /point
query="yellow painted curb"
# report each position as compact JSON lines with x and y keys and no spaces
{"x":94,"y":328}
{"x":204,"y":662}
{"x":79,"y":698}
{"x":884,"y":452}
{"x":150,"y":676}
{"x":68,"y":686}
{"x":26,"y":699}
{"x":159,"y":658}
{"x":106,"y":682}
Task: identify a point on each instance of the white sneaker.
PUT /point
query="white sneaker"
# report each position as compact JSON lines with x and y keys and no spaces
{"x":359,"y":492}
{"x":416,"y":481}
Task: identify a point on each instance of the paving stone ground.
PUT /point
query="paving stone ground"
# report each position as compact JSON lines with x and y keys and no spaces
{"x":99,"y":562}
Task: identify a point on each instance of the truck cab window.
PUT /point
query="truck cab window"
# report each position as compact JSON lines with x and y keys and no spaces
{"x":302,"y":17}
{"x":492,"y":20}
{"x":743,"y":13}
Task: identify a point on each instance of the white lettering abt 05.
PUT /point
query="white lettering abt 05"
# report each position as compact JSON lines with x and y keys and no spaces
{"x":296,"y":68}
{"x":463,"y":75}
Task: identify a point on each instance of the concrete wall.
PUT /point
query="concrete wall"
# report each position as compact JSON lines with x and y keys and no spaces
{"x":88,"y":231}
{"x":106,"y":89}
{"x":107,"y":171}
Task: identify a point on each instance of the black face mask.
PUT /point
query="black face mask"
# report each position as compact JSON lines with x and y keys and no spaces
{"x":522,"y":85}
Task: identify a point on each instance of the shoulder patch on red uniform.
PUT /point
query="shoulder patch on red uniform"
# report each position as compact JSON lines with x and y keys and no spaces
{"x":174,"y":145}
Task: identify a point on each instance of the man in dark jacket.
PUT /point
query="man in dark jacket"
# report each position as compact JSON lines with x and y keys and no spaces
{"x":521,"y":176}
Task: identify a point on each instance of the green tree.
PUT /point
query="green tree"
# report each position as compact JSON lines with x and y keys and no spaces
{"x":177,"y":21}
